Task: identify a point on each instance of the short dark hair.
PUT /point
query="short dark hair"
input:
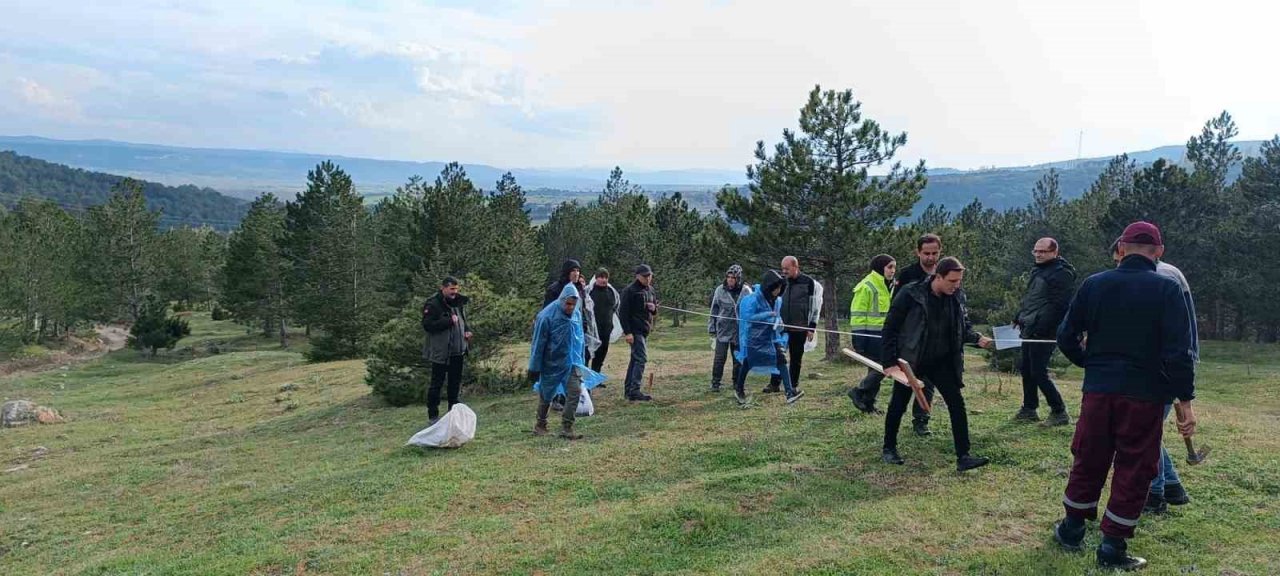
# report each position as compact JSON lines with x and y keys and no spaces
{"x":1115,"y":248}
{"x":602,"y":273}
{"x":929,"y":238}
{"x":448,"y":281}
{"x":948,"y":265}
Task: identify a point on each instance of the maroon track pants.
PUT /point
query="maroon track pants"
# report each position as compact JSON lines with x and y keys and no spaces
{"x":1113,"y":432}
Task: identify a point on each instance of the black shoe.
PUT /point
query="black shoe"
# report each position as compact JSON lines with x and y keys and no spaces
{"x":770,"y":390}
{"x":1025,"y":415}
{"x":741,"y":398}
{"x":1113,"y":558}
{"x":890,"y":456}
{"x":795,"y":395}
{"x":970,"y":462}
{"x":1176,"y":495}
{"x":1069,"y":539}
{"x":639,"y":397}
{"x":432,"y":422}
{"x":1156,"y":504}
{"x":859,"y":402}
{"x":1057,"y":419}
{"x":921,"y":428}
{"x":715,"y":387}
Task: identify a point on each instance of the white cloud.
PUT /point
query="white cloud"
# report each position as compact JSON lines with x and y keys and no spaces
{"x":47,"y":102}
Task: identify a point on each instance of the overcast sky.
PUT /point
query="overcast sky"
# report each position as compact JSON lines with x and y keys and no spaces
{"x":646,"y":84}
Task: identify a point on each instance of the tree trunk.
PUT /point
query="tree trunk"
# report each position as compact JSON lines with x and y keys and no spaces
{"x":832,"y":323}
{"x":284,"y":334}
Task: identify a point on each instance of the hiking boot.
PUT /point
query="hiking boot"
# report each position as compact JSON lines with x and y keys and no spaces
{"x":860,"y":402}
{"x":921,"y":428}
{"x":970,"y":462}
{"x":1116,"y":557}
{"x":1156,"y":504}
{"x":1070,"y":538}
{"x":1056,"y":419}
{"x":795,"y":395}
{"x":771,"y":390}
{"x":568,"y":434}
{"x":890,"y":456}
{"x":1176,"y":495}
{"x":1025,"y":415}
{"x":540,"y":429}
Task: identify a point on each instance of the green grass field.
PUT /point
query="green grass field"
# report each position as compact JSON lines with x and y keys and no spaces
{"x":204,"y":466}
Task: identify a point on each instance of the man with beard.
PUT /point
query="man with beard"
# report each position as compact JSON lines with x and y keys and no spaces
{"x":556,"y":363}
{"x":444,"y":319}
{"x":928,"y":251}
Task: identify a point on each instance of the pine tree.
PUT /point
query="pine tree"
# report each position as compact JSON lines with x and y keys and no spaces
{"x":155,"y":328}
{"x":118,"y":253}
{"x":255,"y":272}
{"x":814,"y":197}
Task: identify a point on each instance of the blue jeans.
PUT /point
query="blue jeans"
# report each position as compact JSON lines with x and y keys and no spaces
{"x":1166,"y":474}
{"x":740,"y":382}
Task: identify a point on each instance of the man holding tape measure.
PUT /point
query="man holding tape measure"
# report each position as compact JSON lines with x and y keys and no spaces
{"x":927,"y":326}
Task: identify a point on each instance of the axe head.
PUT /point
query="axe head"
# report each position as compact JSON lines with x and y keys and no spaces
{"x":1194,"y":458}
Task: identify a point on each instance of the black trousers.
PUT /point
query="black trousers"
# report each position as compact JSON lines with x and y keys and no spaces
{"x":947,"y":381}
{"x":1035,"y":378}
{"x":795,"y":350}
{"x":597,"y":359}
{"x":439,"y":373}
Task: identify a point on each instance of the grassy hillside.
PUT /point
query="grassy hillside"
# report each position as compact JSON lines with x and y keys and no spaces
{"x":204,"y":466}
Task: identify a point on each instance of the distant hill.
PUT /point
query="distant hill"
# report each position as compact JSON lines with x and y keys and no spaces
{"x":247,"y":173}
{"x":75,"y":189}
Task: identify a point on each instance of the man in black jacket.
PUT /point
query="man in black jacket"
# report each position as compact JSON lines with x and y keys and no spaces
{"x":801,"y":306}
{"x":927,"y":326}
{"x":1044,"y":304}
{"x":1138,"y":358}
{"x":444,"y":319}
{"x":928,"y":251}
{"x":570,"y":273}
{"x":637,"y":306}
{"x":605,"y":299}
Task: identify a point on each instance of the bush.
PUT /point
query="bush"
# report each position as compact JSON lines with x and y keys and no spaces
{"x":395,"y":366}
{"x":155,"y":329}
{"x":218,"y":314}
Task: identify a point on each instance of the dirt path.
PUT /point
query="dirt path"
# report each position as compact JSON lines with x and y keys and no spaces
{"x":110,"y":338}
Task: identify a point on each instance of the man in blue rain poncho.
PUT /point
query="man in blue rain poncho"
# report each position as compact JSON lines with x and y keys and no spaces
{"x":557,"y":360}
{"x":761,"y":342}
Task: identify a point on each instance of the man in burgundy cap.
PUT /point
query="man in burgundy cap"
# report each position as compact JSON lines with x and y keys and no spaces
{"x":1138,"y":358}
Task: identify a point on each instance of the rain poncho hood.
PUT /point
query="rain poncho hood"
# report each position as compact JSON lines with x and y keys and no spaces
{"x":557,"y":349}
{"x":759,"y":328}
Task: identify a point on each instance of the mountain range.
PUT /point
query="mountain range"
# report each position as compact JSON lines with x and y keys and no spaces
{"x":246,"y":173}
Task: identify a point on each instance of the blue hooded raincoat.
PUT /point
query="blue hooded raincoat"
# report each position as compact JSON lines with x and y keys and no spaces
{"x":758,"y":333}
{"x":558,"y":342}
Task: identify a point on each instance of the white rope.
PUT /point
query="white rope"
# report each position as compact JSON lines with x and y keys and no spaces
{"x":806,"y":328}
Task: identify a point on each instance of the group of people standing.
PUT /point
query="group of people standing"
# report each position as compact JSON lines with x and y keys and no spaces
{"x":1132,"y":329}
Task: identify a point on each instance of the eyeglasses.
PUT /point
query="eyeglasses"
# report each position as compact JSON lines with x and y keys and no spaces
{"x":1042,"y":251}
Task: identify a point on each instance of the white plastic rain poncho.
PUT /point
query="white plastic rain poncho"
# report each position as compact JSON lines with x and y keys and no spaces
{"x":759,"y":332}
{"x":558,"y":343}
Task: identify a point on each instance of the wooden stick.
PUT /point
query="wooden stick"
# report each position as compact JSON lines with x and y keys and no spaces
{"x":902,"y":379}
{"x":916,"y":386}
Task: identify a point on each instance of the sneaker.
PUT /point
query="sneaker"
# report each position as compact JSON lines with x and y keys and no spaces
{"x":1176,"y":495}
{"x":890,"y":456}
{"x":1057,"y":419}
{"x":1025,"y":415}
{"x":970,"y":462}
{"x":1113,"y":558}
{"x":921,"y":428}
{"x":770,"y":390}
{"x":1069,"y":539}
{"x":715,"y":387}
{"x":795,"y":396}
{"x":741,"y":398}
{"x":540,"y":429}
{"x":1156,"y":504}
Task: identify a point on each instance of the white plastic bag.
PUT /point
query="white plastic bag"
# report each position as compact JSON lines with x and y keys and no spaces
{"x":455,"y":428}
{"x":713,"y":343}
{"x":811,"y":345}
{"x":617,"y":330}
{"x":585,"y":406}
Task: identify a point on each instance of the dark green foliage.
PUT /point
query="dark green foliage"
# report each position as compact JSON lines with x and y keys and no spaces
{"x":75,"y":190}
{"x":397,"y":371}
{"x":155,"y":328}
{"x":254,"y":275}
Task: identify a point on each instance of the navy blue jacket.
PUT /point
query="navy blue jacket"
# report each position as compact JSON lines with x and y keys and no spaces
{"x":1139,"y":338}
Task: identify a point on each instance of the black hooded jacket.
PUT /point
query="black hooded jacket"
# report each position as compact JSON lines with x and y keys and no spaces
{"x":1048,"y":295}
{"x":553,"y":290}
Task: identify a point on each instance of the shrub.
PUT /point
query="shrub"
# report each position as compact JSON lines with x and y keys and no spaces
{"x":395,"y":366}
{"x":155,"y":329}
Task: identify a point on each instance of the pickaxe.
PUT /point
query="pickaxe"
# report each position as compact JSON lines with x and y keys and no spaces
{"x":907,"y":378}
{"x":1193,"y":457}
